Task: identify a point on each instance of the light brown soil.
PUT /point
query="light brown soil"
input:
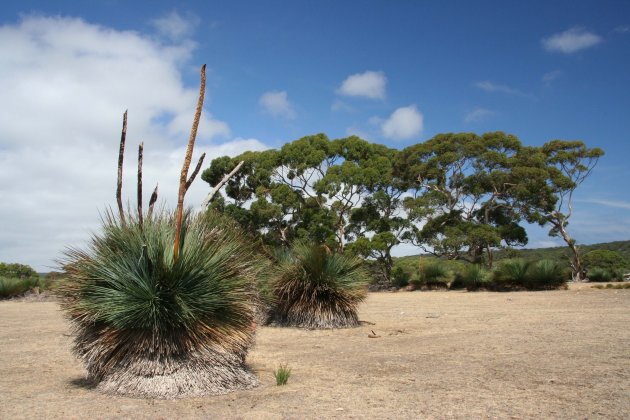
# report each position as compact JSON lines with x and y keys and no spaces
{"x":560,"y":354}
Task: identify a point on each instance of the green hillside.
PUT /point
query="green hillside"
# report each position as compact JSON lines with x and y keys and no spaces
{"x":410,"y":263}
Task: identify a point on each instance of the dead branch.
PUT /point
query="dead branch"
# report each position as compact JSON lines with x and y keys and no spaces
{"x":217,"y":187}
{"x":195,"y":172}
{"x":184,"y":174}
{"x":140,"y":150}
{"x":121,"y":153}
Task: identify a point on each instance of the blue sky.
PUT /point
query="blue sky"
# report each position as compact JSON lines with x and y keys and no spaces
{"x":395,"y":73}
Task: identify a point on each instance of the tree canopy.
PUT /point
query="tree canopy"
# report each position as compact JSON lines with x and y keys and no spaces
{"x":457,"y":195}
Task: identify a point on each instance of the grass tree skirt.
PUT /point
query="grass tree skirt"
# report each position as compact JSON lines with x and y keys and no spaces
{"x":318,"y":318}
{"x":208,"y":374}
{"x":314,"y":288}
{"x":150,"y":325}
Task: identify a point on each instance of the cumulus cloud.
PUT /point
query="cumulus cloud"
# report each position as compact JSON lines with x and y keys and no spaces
{"x":65,"y":84}
{"x":276,"y":104}
{"x":571,"y":41}
{"x":370,"y":84}
{"x":478,"y":114}
{"x":175,"y":26}
{"x":404,"y":123}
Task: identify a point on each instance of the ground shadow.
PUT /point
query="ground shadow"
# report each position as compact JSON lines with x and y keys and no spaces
{"x":82,"y":382}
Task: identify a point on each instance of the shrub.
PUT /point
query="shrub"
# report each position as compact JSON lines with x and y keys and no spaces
{"x":13,"y":286}
{"x":512,"y":272}
{"x":432,"y":275}
{"x":476,"y":277}
{"x":598,"y":274}
{"x":282,"y":374}
{"x":315,"y":288}
{"x":545,"y":274}
{"x":605,"y":259}
{"x":400,"y":278}
{"x":17,"y":271}
{"x":149,"y":324}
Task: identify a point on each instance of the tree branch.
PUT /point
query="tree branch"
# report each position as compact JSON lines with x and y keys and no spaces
{"x":217,"y":187}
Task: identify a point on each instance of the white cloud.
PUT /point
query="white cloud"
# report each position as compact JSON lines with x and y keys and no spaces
{"x":492,"y":87}
{"x":65,"y":84}
{"x":276,"y":104}
{"x":478,"y":114}
{"x":370,"y":84}
{"x":610,"y":203}
{"x":175,"y":26}
{"x":341,"y":106}
{"x":355,"y":131}
{"x":622,"y":29}
{"x":551,"y":76}
{"x":571,"y":40}
{"x":404,"y":123}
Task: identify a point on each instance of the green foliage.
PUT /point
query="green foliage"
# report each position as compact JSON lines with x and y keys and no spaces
{"x":316,"y":288}
{"x":282,"y":374}
{"x":132,"y":304}
{"x":545,"y":274}
{"x":400,"y":278}
{"x":12,"y":286}
{"x":434,"y":274}
{"x":605,"y":259}
{"x":17,"y":270}
{"x":512,"y":272}
{"x":598,"y":274}
{"x":474,"y":277}
{"x":17,"y":279}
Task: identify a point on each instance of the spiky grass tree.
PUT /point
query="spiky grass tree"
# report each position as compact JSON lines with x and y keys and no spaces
{"x":314,"y":288}
{"x":150,"y":325}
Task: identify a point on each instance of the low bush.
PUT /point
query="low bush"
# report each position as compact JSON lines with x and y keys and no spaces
{"x":512,"y":273}
{"x":13,"y":286}
{"x":400,"y":278}
{"x":545,"y":274}
{"x":474,"y":277}
{"x":598,"y":274}
{"x":432,"y":275}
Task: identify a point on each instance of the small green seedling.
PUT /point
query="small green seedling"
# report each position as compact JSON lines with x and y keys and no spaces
{"x":282,"y":374}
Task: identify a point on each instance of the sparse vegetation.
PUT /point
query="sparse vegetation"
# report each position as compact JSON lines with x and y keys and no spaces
{"x":432,"y":275}
{"x":612,"y":286}
{"x":475,"y":277}
{"x":282,"y":374}
{"x":545,"y":274}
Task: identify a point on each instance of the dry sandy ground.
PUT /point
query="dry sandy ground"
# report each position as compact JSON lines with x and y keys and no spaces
{"x":560,"y":354}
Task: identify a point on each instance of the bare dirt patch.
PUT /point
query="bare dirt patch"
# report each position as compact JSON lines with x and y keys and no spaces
{"x":560,"y":354}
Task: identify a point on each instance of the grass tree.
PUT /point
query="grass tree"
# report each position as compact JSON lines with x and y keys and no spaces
{"x":162,"y":305}
{"x":315,"y":288}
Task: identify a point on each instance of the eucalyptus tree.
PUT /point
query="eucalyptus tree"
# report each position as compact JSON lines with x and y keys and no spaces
{"x":569,"y":163}
{"x":306,"y":189}
{"x":466,"y":196}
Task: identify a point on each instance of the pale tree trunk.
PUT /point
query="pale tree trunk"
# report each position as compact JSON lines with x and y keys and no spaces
{"x":576,"y":261}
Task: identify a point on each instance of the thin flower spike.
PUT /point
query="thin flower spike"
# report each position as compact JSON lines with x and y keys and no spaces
{"x":184,"y":174}
{"x":121,"y":153}
{"x":140,"y":150}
